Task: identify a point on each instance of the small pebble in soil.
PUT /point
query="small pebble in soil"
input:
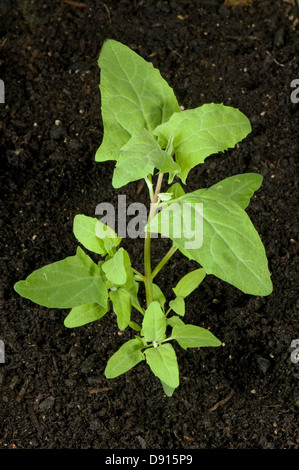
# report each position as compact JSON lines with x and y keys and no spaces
{"x":47,"y":403}
{"x":264,"y":364}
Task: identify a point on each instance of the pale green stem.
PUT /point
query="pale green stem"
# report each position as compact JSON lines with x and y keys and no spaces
{"x":163,"y":261}
{"x":148,"y":281}
{"x":138,"y":274}
{"x":149,"y":183}
{"x":147,"y":269}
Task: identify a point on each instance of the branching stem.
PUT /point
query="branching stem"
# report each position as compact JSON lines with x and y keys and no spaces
{"x":163,"y":261}
{"x":148,"y":280}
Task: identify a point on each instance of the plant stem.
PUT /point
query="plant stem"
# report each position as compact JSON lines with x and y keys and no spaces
{"x":163,"y":261}
{"x":149,"y":183}
{"x":158,"y":188}
{"x":138,"y":274}
{"x":148,"y":280}
{"x":147,"y":269}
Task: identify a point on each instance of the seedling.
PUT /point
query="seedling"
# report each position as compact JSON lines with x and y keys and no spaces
{"x":148,"y":136}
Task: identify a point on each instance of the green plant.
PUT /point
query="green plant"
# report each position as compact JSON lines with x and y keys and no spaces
{"x":148,"y":135}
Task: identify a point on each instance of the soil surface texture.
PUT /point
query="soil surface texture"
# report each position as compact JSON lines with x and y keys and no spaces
{"x":53,"y":392}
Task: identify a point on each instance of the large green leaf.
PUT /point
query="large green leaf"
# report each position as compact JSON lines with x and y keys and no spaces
{"x":163,"y":363}
{"x":68,"y":283}
{"x":128,"y":356}
{"x":134,"y":96}
{"x":84,"y":314}
{"x":154,"y":323}
{"x":191,"y":336}
{"x":231,"y":247}
{"x":197,"y":133}
{"x":239,"y":188}
{"x":139,"y":157}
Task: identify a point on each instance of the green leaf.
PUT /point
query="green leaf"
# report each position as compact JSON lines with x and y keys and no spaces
{"x":163,"y":363}
{"x":134,"y":326}
{"x":84,"y":231}
{"x":174,"y":320}
{"x":239,"y":188}
{"x":68,"y":283}
{"x":178,"y":306}
{"x":231,"y":248}
{"x":191,"y":336}
{"x":139,"y":157}
{"x":189,"y":282}
{"x":158,"y":295}
{"x":154,"y":323}
{"x":108,"y":237}
{"x":167,"y":390}
{"x":134,"y":96}
{"x":176,"y":190}
{"x":197,"y":133}
{"x":121,"y":300}
{"x":127,"y":357}
{"x":116,"y":268}
{"x":133,"y":289}
{"x":84,"y":314}
{"x":164,"y":197}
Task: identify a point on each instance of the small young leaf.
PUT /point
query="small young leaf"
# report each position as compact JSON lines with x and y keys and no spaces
{"x":84,"y":314}
{"x":200,"y":132}
{"x":134,"y":326}
{"x":108,"y":237}
{"x":189,"y":282}
{"x":178,"y":306}
{"x":191,"y":336}
{"x":154,"y":323}
{"x":163,"y":363}
{"x":133,"y":289}
{"x":174,"y":320}
{"x":164,"y":197}
{"x":158,"y":295}
{"x":116,"y":268}
{"x":127,"y":357}
{"x":176,"y":190}
{"x":84,"y":230}
{"x":68,"y":283}
{"x":139,"y":157}
{"x":121,"y":300}
{"x":134,"y":96}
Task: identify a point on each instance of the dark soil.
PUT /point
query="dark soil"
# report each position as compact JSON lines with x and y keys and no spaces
{"x":53,"y":393}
